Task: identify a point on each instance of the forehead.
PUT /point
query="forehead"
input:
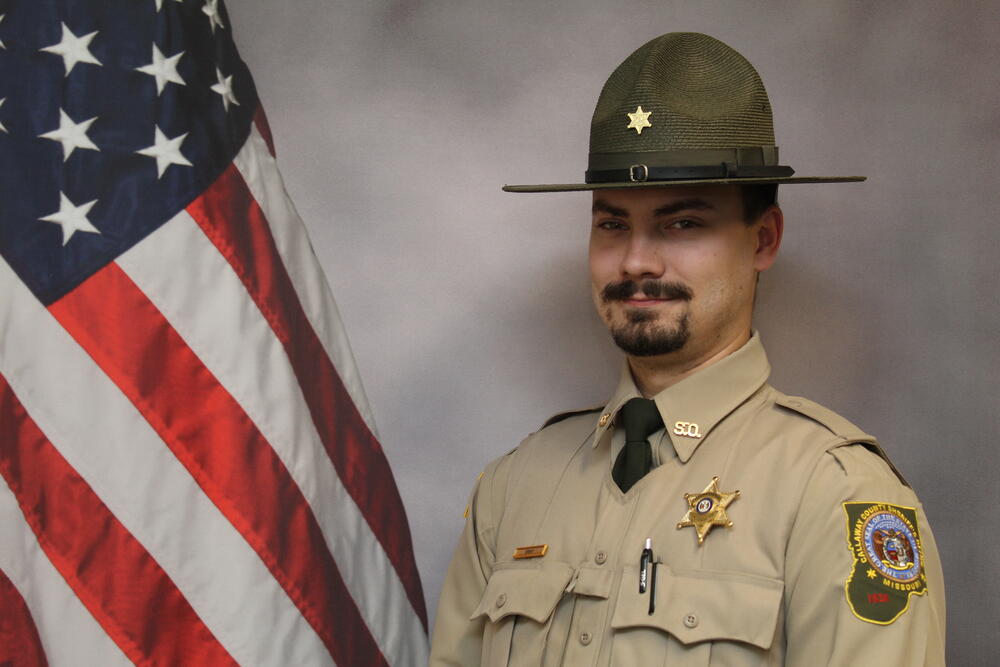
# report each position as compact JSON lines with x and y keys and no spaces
{"x":646,"y":201}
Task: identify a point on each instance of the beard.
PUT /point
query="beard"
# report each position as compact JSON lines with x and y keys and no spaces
{"x":641,"y":335}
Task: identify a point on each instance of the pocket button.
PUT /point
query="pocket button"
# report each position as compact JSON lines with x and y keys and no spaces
{"x":501,"y":599}
{"x":690,"y":621}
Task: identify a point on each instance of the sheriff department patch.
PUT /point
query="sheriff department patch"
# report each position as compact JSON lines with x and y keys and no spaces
{"x":888,"y":560}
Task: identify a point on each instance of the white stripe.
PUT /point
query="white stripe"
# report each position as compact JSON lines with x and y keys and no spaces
{"x":260,"y":171}
{"x":69,"y":634}
{"x":101,"y":435}
{"x":261,"y":174}
{"x":209,"y":307}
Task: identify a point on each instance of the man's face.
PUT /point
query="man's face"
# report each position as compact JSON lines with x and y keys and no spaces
{"x":673,"y":270}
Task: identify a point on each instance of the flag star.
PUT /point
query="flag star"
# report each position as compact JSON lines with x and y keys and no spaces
{"x":73,"y":49}
{"x":2,"y":128}
{"x":639,"y":120}
{"x":211,"y":10}
{"x":71,"y":135}
{"x":225,"y":88}
{"x":166,"y":151}
{"x":72,"y":218}
{"x":163,"y":69}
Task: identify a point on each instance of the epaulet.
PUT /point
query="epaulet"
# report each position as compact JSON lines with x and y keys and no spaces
{"x":555,"y":419}
{"x":839,"y":426}
{"x":825,"y":417}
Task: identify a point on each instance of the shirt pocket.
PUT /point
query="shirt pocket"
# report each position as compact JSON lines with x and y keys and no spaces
{"x":518,"y":603}
{"x":695,"y":610}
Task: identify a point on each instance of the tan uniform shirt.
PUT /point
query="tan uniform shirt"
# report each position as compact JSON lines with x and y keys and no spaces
{"x":816,"y":496}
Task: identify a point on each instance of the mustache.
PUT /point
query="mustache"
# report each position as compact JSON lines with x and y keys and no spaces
{"x":655,"y":289}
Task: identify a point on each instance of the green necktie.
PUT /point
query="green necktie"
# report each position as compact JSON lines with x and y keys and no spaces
{"x":641,"y":419}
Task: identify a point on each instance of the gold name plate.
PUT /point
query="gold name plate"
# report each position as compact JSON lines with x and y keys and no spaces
{"x":536,"y":551}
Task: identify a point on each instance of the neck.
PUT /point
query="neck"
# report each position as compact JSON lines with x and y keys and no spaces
{"x":654,"y":374}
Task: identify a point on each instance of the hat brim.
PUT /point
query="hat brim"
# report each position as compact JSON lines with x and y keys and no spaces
{"x":790,"y":180}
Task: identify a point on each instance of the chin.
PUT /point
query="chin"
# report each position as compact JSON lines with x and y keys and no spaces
{"x":645,"y":339}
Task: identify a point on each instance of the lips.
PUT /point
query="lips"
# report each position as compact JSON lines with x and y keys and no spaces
{"x":641,"y":301}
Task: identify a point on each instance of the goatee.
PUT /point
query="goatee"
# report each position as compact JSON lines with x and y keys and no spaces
{"x":640,"y":336}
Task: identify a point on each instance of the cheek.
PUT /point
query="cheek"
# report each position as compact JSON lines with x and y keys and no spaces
{"x":603,"y":266}
{"x":724,"y":294}
{"x":717,"y":277}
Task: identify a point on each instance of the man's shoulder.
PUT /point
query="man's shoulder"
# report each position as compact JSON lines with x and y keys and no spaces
{"x":821,"y":418}
{"x":570,"y":414}
{"x":571,"y":427}
{"x":857,"y":453}
{"x":560,"y":436}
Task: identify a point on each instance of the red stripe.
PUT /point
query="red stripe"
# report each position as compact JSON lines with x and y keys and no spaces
{"x":213,"y":437}
{"x":260,"y":120}
{"x":234,"y":222}
{"x":20,"y":645}
{"x":121,"y":584}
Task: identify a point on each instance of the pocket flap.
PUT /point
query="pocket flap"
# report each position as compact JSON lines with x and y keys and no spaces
{"x":697,"y":606}
{"x":525,"y":590}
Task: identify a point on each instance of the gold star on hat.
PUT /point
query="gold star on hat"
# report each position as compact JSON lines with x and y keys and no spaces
{"x":708,"y":509}
{"x":639,"y":120}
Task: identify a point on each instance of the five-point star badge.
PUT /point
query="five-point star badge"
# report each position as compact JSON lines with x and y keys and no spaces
{"x":708,"y":509}
{"x":639,"y":120}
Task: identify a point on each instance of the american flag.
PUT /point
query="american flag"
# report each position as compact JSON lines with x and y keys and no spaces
{"x":189,"y":470}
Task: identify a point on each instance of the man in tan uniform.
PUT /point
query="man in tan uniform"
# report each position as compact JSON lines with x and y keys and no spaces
{"x":700,"y":517}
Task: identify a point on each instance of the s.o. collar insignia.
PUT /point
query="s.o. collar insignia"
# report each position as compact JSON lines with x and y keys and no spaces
{"x":888,"y":560}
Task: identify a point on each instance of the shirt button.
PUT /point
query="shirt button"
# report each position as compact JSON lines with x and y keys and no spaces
{"x":600,"y":557}
{"x":585,"y":638}
{"x":501,"y":599}
{"x":690,"y":621}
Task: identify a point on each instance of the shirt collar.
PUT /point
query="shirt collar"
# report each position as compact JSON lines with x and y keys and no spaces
{"x":692,"y":407}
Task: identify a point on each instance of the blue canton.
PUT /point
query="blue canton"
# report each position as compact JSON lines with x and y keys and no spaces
{"x":114,"y":116}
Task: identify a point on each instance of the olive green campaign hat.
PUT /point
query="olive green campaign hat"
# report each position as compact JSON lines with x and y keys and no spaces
{"x":684,"y":109}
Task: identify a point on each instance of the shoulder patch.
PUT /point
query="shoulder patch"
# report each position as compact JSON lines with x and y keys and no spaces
{"x":888,"y":563}
{"x":555,"y":419}
{"x":826,"y":417}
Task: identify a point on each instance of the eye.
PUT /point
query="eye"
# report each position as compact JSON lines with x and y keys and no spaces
{"x":684,"y":223}
{"x":611,"y":225}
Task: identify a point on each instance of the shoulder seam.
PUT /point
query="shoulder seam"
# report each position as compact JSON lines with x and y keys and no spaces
{"x":834,"y":423}
{"x":876,"y":449}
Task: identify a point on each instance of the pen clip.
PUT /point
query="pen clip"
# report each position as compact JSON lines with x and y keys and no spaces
{"x":644,"y":561}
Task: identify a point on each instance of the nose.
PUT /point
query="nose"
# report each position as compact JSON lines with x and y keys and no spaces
{"x":642,"y":258}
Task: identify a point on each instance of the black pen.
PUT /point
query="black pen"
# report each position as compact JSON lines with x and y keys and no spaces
{"x":644,"y":560}
{"x":652,"y":591}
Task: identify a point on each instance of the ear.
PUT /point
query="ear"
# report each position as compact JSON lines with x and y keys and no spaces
{"x":769,"y":228}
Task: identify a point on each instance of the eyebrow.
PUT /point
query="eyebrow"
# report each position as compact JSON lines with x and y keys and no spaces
{"x":693,"y":203}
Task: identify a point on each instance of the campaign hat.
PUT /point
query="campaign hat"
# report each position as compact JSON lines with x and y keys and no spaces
{"x":683,"y":109}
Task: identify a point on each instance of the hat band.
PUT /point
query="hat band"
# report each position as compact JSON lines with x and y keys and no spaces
{"x":686,"y":163}
{"x":638,"y":173}
{"x":686,"y":157}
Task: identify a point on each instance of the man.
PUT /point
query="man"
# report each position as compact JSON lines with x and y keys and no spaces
{"x":700,"y":517}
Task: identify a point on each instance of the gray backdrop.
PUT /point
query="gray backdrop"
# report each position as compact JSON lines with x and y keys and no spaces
{"x":468,"y":308}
